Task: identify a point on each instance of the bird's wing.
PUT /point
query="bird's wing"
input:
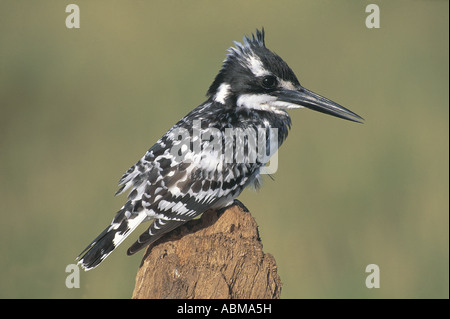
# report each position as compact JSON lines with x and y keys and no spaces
{"x":174,"y":190}
{"x":171,"y":188}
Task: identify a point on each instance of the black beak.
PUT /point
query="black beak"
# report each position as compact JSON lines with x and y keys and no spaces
{"x":313,"y":101}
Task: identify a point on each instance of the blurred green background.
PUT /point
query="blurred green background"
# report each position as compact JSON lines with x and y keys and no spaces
{"x":78,"y":107}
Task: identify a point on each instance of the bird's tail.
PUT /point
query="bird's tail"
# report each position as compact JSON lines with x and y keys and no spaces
{"x":123,"y":224}
{"x":156,"y":230}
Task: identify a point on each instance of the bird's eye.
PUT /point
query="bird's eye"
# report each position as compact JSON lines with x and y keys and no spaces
{"x":269,"y":82}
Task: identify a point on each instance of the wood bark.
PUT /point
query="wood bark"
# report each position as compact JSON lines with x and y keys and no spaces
{"x":216,"y":256}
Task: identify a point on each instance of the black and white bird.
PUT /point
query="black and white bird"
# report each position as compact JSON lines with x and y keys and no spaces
{"x":189,"y":170}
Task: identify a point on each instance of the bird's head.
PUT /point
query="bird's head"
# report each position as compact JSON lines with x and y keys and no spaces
{"x":255,"y":78}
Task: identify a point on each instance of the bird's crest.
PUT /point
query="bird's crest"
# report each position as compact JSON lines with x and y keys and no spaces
{"x":248,"y":44}
{"x":244,"y":54}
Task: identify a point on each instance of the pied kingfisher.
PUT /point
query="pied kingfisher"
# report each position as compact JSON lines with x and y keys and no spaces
{"x":187,"y":171}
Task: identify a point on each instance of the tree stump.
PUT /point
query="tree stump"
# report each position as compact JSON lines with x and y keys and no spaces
{"x":217,"y":256}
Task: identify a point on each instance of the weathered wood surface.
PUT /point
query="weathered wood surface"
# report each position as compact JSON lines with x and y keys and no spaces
{"x":217,"y":256}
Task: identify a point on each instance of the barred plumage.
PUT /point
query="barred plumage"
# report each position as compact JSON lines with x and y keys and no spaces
{"x":190,"y":168}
